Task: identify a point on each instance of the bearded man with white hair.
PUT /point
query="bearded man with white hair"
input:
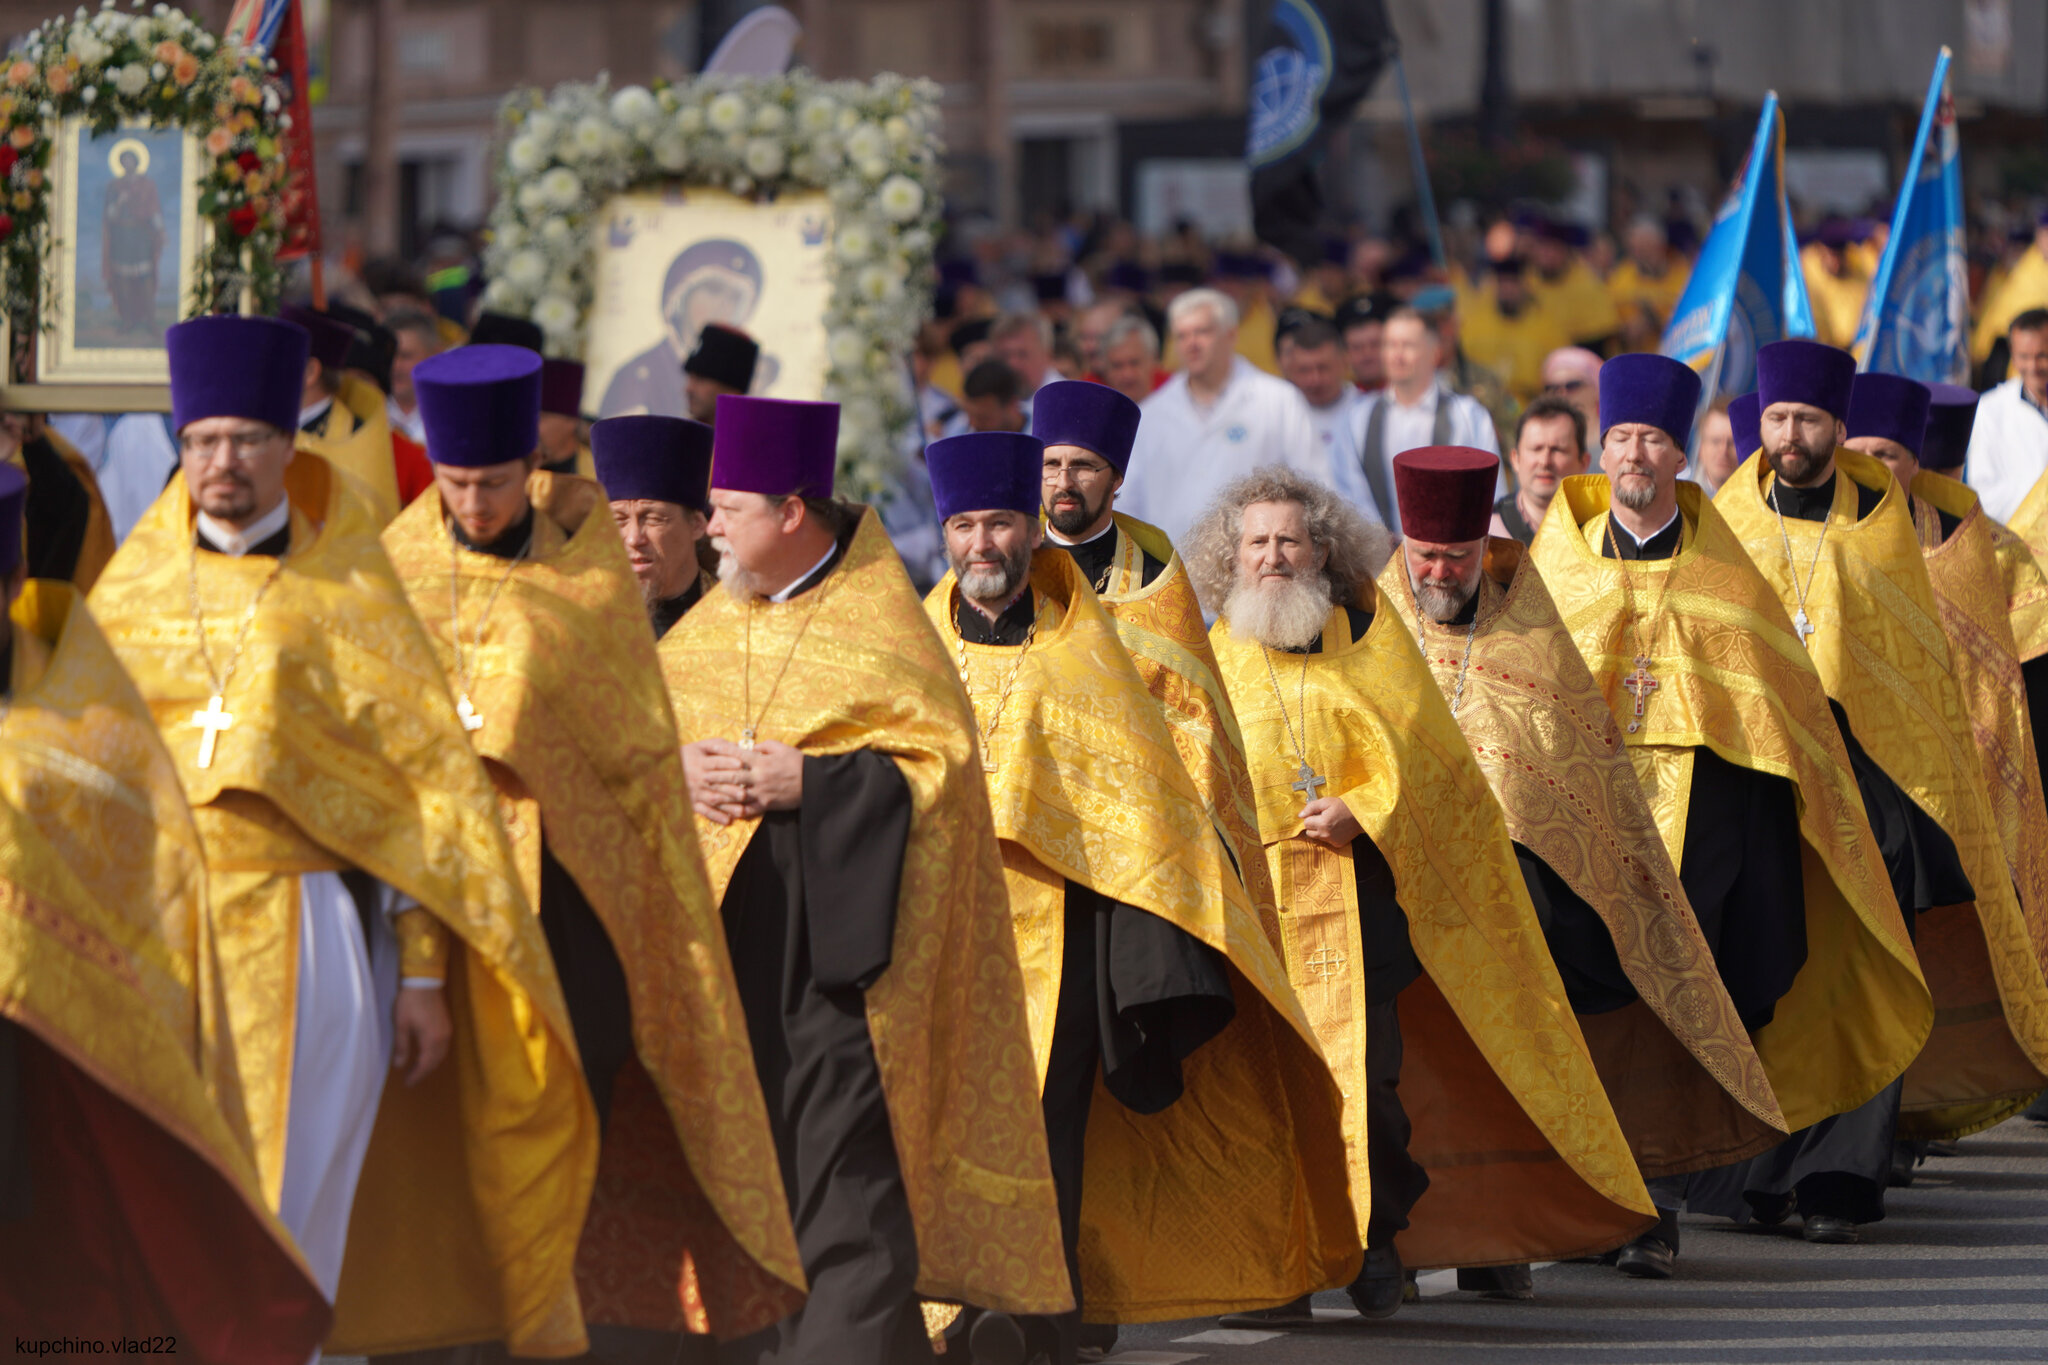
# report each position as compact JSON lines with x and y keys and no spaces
{"x":1405,"y":924}
{"x":1218,"y":419}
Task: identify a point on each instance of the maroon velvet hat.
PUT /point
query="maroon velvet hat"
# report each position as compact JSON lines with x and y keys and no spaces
{"x":561,"y":387}
{"x":331,"y":336}
{"x":777,"y":447}
{"x":1445,"y":492}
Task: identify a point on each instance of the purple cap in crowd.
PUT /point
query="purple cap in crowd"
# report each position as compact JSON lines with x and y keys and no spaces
{"x":1746,"y":424}
{"x":665,"y":459}
{"x":561,"y":387}
{"x":1803,"y":372}
{"x":1888,"y":406}
{"x":232,"y":366}
{"x":1951,"y":413}
{"x":1077,"y":412}
{"x":986,"y":471}
{"x":778,"y":447}
{"x":480,"y":404}
{"x":1652,"y":389}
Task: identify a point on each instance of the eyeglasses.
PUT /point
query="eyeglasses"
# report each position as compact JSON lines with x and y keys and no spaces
{"x":243,"y":447}
{"x":1074,"y":473}
{"x":1568,"y":386}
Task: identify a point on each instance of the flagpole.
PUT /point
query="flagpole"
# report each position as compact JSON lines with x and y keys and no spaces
{"x":1420,"y":167}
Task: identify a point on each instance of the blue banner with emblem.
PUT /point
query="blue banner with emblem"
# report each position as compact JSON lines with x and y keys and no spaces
{"x":1917,"y":321}
{"x":1746,"y":289}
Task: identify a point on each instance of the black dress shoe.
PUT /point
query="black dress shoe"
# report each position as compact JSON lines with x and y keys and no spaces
{"x":1300,"y":1313}
{"x":998,"y":1339}
{"x":1646,"y":1258}
{"x":1771,"y":1209}
{"x":1904,"y":1158}
{"x":1376,"y":1293}
{"x":1512,"y":1282}
{"x":1829,"y":1230}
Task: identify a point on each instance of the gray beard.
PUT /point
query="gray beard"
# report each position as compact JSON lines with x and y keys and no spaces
{"x":738,"y":582}
{"x":1639,"y":492}
{"x":1441,"y":605}
{"x":999,"y":583}
{"x":1284,"y":615}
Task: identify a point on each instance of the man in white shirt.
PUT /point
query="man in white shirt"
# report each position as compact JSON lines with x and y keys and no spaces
{"x":2009,"y":444}
{"x":1214,"y":422}
{"x":1312,"y":359}
{"x":1416,"y":409}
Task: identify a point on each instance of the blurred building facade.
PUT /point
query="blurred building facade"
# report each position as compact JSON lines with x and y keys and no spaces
{"x":1137,"y":106}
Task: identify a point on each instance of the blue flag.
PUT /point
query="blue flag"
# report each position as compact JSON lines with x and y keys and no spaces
{"x":1746,"y":290}
{"x":1917,"y":322}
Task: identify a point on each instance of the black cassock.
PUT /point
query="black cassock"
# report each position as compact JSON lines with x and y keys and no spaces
{"x":1839,"y":1167}
{"x":1137,"y":997}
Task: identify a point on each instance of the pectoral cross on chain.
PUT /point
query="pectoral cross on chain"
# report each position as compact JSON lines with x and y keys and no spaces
{"x":1804,"y":626}
{"x":1642,"y":685}
{"x":210,"y":722}
{"x":1308,"y":783}
{"x":467,"y":712}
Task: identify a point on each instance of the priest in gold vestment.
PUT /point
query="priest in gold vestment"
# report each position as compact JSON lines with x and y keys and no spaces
{"x":1405,"y":924}
{"x":1667,"y":1039}
{"x":1830,"y":531}
{"x":1214,"y":1177}
{"x":128,"y":1203}
{"x":1748,"y":778}
{"x":1143,"y":584}
{"x":404,"y":1062}
{"x":832,"y":765}
{"x":342,"y":417}
{"x":535,"y":617}
{"x":657,"y":473}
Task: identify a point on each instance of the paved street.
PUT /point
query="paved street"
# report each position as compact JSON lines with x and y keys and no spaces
{"x":1957,"y":1272}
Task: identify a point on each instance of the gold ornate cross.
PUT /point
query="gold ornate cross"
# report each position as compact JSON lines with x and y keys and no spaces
{"x":1642,"y":685}
{"x":1326,"y":962}
{"x":212,"y":721}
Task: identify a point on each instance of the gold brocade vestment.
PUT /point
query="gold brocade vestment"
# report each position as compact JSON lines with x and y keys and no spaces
{"x":1677,"y":1062}
{"x":1882,"y":654}
{"x":346,"y":752}
{"x":355,"y":437}
{"x":1526,"y":1160}
{"x":1732,"y":678}
{"x":1968,"y":575}
{"x":866,"y":671}
{"x":689,"y":1227}
{"x":1160,"y":624}
{"x":1234,"y":1194}
{"x":106,"y":960}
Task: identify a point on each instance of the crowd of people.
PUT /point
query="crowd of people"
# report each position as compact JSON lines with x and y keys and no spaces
{"x":1309,"y":782}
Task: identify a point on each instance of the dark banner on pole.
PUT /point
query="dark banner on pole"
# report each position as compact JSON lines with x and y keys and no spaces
{"x":1314,"y":62}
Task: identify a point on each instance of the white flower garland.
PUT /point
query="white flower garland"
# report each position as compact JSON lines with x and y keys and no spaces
{"x":871,"y":146}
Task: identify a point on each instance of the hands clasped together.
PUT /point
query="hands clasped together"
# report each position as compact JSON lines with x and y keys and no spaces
{"x":728,"y":783}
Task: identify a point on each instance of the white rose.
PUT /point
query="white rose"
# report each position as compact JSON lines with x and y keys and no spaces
{"x":555,"y":312}
{"x":872,"y":168}
{"x":561,"y":188}
{"x":849,"y":118}
{"x":856,"y":241}
{"x":804,"y":167}
{"x":915,"y":242}
{"x":728,"y":113}
{"x":508,"y":237}
{"x":845,"y":348}
{"x":770,"y":118}
{"x":131,"y":80}
{"x":635,"y":106}
{"x":526,"y":155}
{"x":690,"y":121}
{"x":901,"y":198}
{"x":817,"y":115}
{"x":157,"y":71}
{"x":555,"y":232}
{"x":531,"y":198}
{"x":764,"y":158}
{"x":878,"y":284}
{"x":500,"y":296}
{"x":672,"y":151}
{"x":526,"y":269}
{"x":542,"y":124}
{"x":899,"y":130}
{"x":867,"y":143}
{"x":593,"y":136}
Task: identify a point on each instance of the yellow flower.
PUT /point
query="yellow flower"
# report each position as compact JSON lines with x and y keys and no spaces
{"x":230,"y":171}
{"x":23,"y":199}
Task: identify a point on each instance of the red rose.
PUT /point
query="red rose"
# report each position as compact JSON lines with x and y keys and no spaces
{"x":242,"y":220}
{"x":6,"y":225}
{"x":8,"y":156}
{"x":248,"y":161}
